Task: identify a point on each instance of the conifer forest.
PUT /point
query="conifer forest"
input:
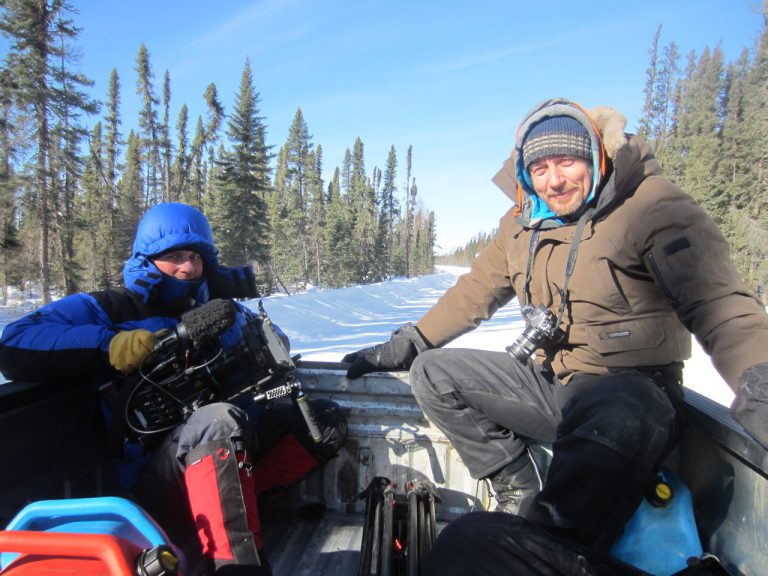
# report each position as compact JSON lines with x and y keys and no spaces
{"x":76,"y":176}
{"x":71,"y":197}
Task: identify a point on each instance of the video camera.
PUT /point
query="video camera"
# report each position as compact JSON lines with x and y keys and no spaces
{"x":193,"y":366}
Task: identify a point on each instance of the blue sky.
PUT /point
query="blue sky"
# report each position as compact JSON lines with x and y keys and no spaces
{"x":450,"y":78}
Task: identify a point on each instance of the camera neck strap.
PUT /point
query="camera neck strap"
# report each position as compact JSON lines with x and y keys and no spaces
{"x":570,"y":264}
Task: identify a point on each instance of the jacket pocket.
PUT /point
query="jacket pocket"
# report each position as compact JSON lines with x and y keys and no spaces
{"x":605,"y":286}
{"x":626,"y":336}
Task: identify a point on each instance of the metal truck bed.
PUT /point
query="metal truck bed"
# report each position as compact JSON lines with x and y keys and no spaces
{"x":725,"y":469}
{"x":49,"y":451}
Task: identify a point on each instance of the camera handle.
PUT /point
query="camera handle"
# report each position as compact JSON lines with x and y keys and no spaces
{"x":291,"y":387}
{"x":300,"y":399}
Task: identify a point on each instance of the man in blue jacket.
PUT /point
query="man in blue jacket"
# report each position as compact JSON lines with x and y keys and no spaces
{"x":239,"y":451}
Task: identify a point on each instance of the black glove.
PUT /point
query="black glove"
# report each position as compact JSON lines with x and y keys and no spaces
{"x":397,"y":354}
{"x":750,"y":408}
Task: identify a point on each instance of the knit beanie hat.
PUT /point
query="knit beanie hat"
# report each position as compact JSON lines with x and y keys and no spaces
{"x":556,"y":136}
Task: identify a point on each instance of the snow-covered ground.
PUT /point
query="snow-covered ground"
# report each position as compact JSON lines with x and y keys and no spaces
{"x":327,"y":324}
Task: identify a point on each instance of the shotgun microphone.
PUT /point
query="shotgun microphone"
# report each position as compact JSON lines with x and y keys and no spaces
{"x":200,"y":327}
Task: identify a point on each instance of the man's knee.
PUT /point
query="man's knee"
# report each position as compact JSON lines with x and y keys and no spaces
{"x":210,"y":423}
{"x":420,"y":377}
{"x":627,"y":413}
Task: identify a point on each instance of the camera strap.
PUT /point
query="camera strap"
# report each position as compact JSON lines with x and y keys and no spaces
{"x":570,"y":264}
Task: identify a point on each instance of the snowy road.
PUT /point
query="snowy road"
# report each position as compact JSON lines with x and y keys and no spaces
{"x":327,"y":324}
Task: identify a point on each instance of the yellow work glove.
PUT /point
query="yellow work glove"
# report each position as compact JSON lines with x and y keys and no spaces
{"x":128,"y":348}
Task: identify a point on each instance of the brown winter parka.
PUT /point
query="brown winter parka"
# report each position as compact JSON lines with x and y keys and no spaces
{"x":651,"y":267}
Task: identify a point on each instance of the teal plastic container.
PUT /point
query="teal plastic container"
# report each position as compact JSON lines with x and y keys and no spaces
{"x":102,"y":515}
{"x":662,"y":534}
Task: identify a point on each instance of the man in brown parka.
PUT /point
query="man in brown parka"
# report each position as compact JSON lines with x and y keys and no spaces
{"x":617,"y":266}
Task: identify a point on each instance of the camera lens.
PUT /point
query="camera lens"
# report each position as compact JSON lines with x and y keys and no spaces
{"x":525,"y":345}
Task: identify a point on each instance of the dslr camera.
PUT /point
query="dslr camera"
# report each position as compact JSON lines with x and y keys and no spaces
{"x":541,"y":329}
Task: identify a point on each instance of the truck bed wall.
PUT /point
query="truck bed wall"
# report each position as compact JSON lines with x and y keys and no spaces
{"x":388,"y":436}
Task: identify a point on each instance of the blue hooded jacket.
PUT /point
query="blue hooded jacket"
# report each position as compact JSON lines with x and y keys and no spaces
{"x":173,"y":226}
{"x":68,"y":340}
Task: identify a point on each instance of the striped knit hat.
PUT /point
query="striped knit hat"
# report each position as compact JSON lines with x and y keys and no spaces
{"x":556,"y":136}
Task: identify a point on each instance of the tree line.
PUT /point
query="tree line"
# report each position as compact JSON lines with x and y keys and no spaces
{"x":71,"y":196}
{"x":464,"y":255}
{"x":707,"y":121}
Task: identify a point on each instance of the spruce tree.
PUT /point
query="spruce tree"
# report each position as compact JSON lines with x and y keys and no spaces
{"x":338,"y":243}
{"x":69,"y":104}
{"x":290,"y":238}
{"x":363,"y":204}
{"x":179,"y":179}
{"x":663,"y":101}
{"x":410,"y":208}
{"x":66,"y":170}
{"x":430,"y":236}
{"x":112,"y":130}
{"x":661,"y":77}
{"x":150,"y":132}
{"x":346,"y":172}
{"x":282,"y":249}
{"x":379,"y":265}
{"x":211,"y":169}
{"x":735,"y":167}
{"x":735,"y":163}
{"x":112,"y":145}
{"x":96,"y":246}
{"x":130,"y":203}
{"x":388,"y":211}
{"x":649,"y":113}
{"x":703,"y":119}
{"x":244,"y":183}
{"x":316,"y":217}
{"x":415,"y":232}
{"x":677,"y":143}
{"x":29,"y":25}
{"x":43,"y":86}
{"x":9,"y":234}
{"x":190,"y":167}
{"x":169,"y":194}
{"x":196,"y":169}
{"x":419,"y":262}
{"x":215,"y":113}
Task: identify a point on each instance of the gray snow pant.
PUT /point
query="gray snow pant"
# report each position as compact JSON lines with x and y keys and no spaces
{"x":609,"y":433}
{"x":161,"y":489}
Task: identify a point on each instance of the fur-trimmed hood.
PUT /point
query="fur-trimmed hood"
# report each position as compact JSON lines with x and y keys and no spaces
{"x":605,"y":127}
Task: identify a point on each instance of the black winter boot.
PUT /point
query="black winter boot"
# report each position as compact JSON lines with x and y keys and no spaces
{"x":516,"y":486}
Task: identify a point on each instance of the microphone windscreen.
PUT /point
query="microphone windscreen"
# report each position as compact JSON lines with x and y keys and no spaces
{"x":209,"y":321}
